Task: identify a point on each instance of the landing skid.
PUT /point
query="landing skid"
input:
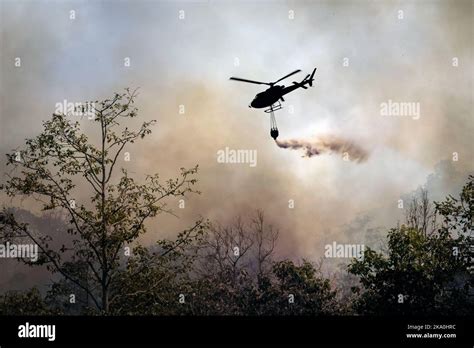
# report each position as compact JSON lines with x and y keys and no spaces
{"x":275,"y":107}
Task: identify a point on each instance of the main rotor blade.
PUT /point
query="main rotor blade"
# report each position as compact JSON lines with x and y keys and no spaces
{"x":249,"y":81}
{"x":294,"y":72}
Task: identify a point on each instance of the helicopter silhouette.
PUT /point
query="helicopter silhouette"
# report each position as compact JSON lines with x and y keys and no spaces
{"x":271,"y":97}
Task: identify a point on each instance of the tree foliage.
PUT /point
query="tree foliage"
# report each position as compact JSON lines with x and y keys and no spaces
{"x":30,"y":302}
{"x":62,"y":164}
{"x":424,"y":272}
{"x":209,"y":268}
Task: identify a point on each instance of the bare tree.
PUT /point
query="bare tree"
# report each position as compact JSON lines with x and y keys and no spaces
{"x":229,"y":250}
{"x":265,"y":238}
{"x":420,"y":213}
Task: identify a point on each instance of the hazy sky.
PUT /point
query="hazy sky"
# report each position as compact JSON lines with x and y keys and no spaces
{"x":403,"y":56}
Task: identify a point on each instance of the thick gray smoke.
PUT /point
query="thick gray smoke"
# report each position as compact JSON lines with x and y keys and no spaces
{"x":326,"y":144}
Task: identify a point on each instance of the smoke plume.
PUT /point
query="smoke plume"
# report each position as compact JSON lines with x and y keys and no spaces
{"x":326,"y":144}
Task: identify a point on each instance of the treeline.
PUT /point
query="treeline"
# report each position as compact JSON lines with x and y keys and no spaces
{"x":231,"y":270}
{"x":100,"y":268}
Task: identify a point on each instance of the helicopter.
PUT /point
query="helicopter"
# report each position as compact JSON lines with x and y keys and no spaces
{"x":271,"y":97}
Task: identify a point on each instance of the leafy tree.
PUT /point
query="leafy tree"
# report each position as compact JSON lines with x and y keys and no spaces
{"x":424,"y":272}
{"x":156,"y":277}
{"x":458,"y":213}
{"x":24,"y":303}
{"x":295,"y":290}
{"x":61,"y":164}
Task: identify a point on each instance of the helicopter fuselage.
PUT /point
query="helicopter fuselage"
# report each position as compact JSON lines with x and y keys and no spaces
{"x":271,"y":96}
